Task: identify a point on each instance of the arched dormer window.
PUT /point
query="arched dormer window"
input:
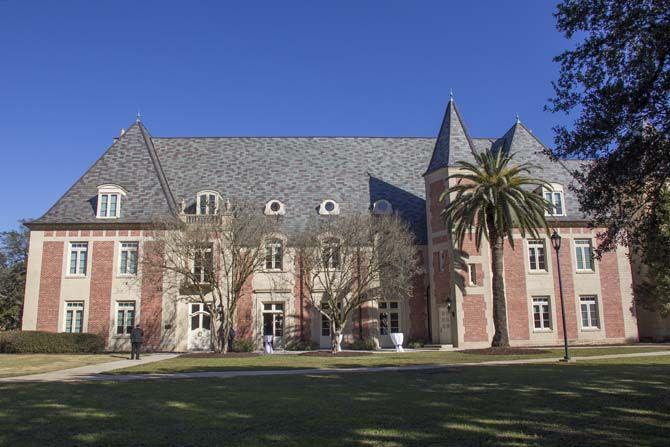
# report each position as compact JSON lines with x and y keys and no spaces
{"x":556,"y":198}
{"x":109,"y":201}
{"x":331,"y":254}
{"x":207,"y":203}
{"x":274,"y":254}
{"x":382,"y":207}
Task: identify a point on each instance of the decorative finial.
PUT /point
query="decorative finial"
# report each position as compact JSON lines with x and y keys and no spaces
{"x":518,"y":120}
{"x":451,"y":95}
{"x":138,"y":118}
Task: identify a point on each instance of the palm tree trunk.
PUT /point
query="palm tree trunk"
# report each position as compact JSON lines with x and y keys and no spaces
{"x":501,"y":335}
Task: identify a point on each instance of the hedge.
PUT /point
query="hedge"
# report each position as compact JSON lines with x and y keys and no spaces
{"x":35,"y":342}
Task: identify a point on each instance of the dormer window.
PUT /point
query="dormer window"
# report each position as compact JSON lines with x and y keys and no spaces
{"x":208,"y":203}
{"x":275,"y":208}
{"x":109,"y":201}
{"x":555,"y":197}
{"x":382,"y":207}
{"x":329,"y":207}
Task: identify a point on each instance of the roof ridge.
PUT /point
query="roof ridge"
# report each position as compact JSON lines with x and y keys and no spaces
{"x":155,"y":161}
{"x":277,"y":137}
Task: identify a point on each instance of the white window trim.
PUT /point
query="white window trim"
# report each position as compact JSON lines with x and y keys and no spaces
{"x":593,"y":261}
{"x":83,"y":315}
{"x":544,"y":328}
{"x":596,"y":300}
{"x":109,"y":190}
{"x":217,"y":202}
{"x":555,"y":188}
{"x":324,"y":212}
{"x":274,"y":242}
{"x":209,"y":249}
{"x":472,"y":268}
{"x":77,"y":274}
{"x":531,"y":243}
{"x":385,"y":307}
{"x":120,"y":249}
{"x":116,"y":317}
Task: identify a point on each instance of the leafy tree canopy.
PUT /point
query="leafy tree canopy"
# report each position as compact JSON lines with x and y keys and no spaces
{"x":13,"y":258}
{"x":616,"y":81}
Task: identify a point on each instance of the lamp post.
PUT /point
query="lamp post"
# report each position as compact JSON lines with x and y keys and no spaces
{"x":556,"y":243}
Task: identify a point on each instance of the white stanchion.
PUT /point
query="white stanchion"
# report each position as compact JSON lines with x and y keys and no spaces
{"x":397,"y":338}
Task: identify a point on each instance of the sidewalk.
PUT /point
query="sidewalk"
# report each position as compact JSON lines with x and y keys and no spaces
{"x":95,"y":372}
{"x":86,"y":372}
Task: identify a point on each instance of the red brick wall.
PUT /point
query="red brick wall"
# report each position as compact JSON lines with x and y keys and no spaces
{"x":151,"y":293}
{"x":515,"y":291}
{"x":245,"y":311}
{"x":436,"y":221}
{"x":304,"y":305}
{"x":474,"y":318}
{"x":102,"y":266}
{"x":418,"y":318}
{"x":51,"y":273}
{"x":568,"y":291}
{"x":611,"y":289}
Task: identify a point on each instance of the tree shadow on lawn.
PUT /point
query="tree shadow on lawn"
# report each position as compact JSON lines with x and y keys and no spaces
{"x":564,"y":405}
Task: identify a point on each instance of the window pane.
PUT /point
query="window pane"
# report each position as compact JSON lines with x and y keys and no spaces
{"x":540,"y":259}
{"x":79,"y":321}
{"x":585,"y":315}
{"x":558,"y":203}
{"x":119,"y":322}
{"x":103,"y":205}
{"x":395,"y":322}
{"x":132,"y":265}
{"x":195,"y":321}
{"x":279,"y":325}
{"x":580,"y":258}
{"x":124,"y":262}
{"x":267,"y":324}
{"x":383,"y":323}
{"x":68,"y":321}
{"x":203,"y":204}
{"x":112,"y":205}
{"x":130,"y":320}
{"x":206,"y":321}
{"x":73,"y":262}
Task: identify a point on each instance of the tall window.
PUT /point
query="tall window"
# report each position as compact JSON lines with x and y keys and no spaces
{"x":541,"y":313}
{"x":555,"y":198}
{"x":536,"y":258}
{"x":273,"y":319}
{"x":78,"y":258}
{"x":589,"y":308}
{"x":109,"y":205}
{"x":74,"y":316}
{"x":203,"y":265}
{"x":325,"y":322}
{"x":273,"y":255}
{"x":389,"y":317}
{"x":584,"y":254}
{"x":207,"y":203}
{"x":128,"y":258}
{"x":331,"y":254}
{"x":125,"y":317}
{"x":472,"y":274}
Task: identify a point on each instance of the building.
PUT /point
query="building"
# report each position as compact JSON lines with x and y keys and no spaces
{"x":82,"y":267}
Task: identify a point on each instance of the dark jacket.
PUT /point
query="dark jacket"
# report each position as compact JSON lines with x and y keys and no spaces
{"x":137,"y":335}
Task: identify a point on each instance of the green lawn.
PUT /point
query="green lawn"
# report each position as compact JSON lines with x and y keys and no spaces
{"x":278,"y":361}
{"x":23,"y":364}
{"x":599,"y":403}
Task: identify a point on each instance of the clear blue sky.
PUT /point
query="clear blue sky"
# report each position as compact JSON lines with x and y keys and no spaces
{"x":72,"y":73}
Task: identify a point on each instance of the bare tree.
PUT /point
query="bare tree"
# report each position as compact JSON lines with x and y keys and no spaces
{"x":350,"y":260}
{"x":212,"y":258}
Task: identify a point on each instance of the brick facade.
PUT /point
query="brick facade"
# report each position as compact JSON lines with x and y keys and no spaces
{"x":151,"y":293}
{"x":611,"y":290}
{"x":245,"y":319}
{"x":102,"y":269}
{"x":51,"y":274}
{"x":568,"y":292}
{"x":474,"y":318}
{"x":418,"y":318}
{"x":436,"y":190}
{"x":515,"y":291}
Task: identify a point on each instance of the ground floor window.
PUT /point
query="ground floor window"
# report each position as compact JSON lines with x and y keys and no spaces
{"x":273,"y":319}
{"x":125,"y":317}
{"x":589,"y":308}
{"x":74,"y":316}
{"x":541,"y":313}
{"x":389,"y":317}
{"x":201,"y":316}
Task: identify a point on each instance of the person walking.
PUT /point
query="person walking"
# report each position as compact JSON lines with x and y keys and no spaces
{"x":136,"y":339}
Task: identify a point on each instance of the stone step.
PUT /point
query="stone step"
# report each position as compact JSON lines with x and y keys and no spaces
{"x":438,"y":347}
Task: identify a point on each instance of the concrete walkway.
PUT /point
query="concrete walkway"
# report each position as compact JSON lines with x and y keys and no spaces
{"x":95,"y":372}
{"x":88,"y":371}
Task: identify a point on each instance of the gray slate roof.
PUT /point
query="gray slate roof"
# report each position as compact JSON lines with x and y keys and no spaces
{"x":301,"y":172}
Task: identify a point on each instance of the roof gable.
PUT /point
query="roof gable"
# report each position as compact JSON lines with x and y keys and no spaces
{"x":129,"y":162}
{"x":453,"y":141}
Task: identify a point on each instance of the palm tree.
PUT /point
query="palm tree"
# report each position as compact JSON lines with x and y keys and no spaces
{"x":493,"y":198}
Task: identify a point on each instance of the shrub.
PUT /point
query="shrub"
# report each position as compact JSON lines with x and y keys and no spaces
{"x":244,"y":345}
{"x":35,"y":342}
{"x":369,"y":344}
{"x":301,"y":345}
{"x":417,"y":343}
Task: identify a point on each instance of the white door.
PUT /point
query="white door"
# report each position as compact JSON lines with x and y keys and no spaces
{"x":389,"y":322}
{"x":273,"y":322}
{"x":199,"y":328}
{"x":444,"y":320}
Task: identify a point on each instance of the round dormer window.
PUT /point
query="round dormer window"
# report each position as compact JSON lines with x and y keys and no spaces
{"x":275,"y":206}
{"x":330,"y":206}
{"x":382,"y":207}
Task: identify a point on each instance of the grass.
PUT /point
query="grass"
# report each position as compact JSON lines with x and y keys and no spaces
{"x":24,"y":364}
{"x":597,"y":403}
{"x":270,"y":362}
